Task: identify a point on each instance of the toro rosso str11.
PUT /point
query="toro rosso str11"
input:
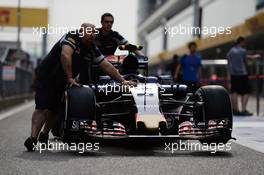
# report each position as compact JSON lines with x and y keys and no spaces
{"x":155,"y":108}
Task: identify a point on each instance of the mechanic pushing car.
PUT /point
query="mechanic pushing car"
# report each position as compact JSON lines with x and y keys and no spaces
{"x":108,"y":40}
{"x":58,"y":69}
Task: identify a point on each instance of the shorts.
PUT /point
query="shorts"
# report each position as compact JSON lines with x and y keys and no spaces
{"x":47,"y":97}
{"x":240,"y":84}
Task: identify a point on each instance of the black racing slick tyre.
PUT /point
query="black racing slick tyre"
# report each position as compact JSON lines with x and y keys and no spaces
{"x":80,"y":104}
{"x":216,"y":106}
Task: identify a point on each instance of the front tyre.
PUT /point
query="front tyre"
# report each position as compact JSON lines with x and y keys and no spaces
{"x":217,"y":107}
{"x":80,"y":106}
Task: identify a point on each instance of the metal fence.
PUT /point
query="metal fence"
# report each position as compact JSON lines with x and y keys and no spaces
{"x":18,"y":84}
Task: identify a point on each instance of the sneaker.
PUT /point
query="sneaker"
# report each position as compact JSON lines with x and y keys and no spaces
{"x":30,"y":143}
{"x":236,"y":112}
{"x":43,"y":138}
{"x":246,"y":113}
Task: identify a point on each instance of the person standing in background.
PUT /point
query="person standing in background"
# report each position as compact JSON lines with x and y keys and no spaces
{"x":237,"y":61}
{"x":190,"y":65}
{"x":175,"y":62}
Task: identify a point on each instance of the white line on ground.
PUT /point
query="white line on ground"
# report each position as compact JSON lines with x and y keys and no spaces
{"x":16,"y":110}
{"x":250,"y":144}
{"x":249,"y":132}
{"x":248,"y":124}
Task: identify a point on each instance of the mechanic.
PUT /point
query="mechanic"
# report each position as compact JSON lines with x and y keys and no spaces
{"x":190,"y":65}
{"x":237,"y":58}
{"x":108,"y":40}
{"x":57,"y":70}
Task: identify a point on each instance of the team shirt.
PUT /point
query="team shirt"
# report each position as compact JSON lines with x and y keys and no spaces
{"x":237,"y":61}
{"x":108,"y":44}
{"x":190,"y":66}
{"x":50,"y":70}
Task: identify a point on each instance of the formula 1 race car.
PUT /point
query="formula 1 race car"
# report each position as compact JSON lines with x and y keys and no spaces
{"x":156,"y":108}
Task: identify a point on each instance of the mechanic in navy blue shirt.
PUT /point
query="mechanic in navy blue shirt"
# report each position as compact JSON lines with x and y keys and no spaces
{"x":68,"y":58}
{"x":190,"y":65}
{"x":108,"y":40}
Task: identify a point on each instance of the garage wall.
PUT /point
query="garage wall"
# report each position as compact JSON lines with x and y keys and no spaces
{"x":30,"y":43}
{"x":226,"y":13}
{"x":155,"y":38}
{"x":185,"y":18}
{"x":155,"y":42}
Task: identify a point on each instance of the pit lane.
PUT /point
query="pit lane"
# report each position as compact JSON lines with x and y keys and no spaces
{"x":117,"y":159}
